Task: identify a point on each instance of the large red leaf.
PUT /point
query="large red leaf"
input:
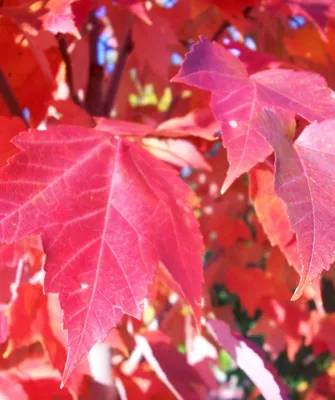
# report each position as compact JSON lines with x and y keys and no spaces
{"x":237,"y":98}
{"x":250,"y":360}
{"x":108,"y":212}
{"x":304,"y":179}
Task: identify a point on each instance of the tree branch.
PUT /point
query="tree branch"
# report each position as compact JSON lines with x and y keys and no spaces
{"x":93,"y":96}
{"x":62,"y":45}
{"x":9,"y":98}
{"x":115,"y":79}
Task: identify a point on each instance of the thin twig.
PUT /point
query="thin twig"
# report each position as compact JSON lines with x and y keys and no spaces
{"x":62,"y":45}
{"x":9,"y":98}
{"x":115,"y":79}
{"x":217,"y":34}
{"x":93,"y":96}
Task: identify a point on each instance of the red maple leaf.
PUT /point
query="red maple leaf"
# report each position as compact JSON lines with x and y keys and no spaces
{"x":108,"y":212}
{"x":238,"y":98}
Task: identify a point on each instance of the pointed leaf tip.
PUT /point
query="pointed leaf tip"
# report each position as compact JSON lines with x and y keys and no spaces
{"x":303,"y":283}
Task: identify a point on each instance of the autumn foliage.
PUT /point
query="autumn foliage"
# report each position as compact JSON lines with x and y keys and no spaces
{"x":167,"y":199}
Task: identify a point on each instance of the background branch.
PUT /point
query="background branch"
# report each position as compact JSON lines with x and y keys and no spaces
{"x":115,"y":79}
{"x":62,"y":45}
{"x":93,"y":97}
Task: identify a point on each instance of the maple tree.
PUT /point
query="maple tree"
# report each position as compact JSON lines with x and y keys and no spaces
{"x":167,"y":199}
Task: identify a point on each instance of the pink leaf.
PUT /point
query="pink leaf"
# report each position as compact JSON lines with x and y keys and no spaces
{"x":123,"y":128}
{"x":108,"y":212}
{"x":181,"y":153}
{"x":237,"y":98}
{"x":304,"y":179}
{"x":250,"y":359}
{"x":198,"y":123}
